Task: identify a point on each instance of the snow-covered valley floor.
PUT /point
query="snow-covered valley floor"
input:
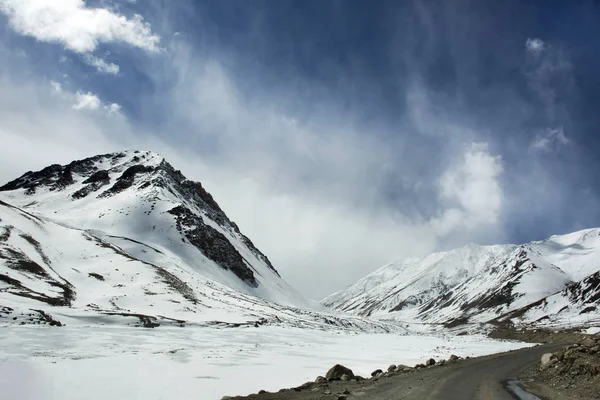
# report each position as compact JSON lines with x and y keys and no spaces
{"x":116,"y":362}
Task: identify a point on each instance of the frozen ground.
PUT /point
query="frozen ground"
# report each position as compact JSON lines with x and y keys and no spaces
{"x":116,"y":362}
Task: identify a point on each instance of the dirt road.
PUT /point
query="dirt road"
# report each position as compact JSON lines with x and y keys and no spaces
{"x":482,"y":378}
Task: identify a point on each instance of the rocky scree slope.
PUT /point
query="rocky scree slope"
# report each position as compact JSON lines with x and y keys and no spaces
{"x":480,"y":283}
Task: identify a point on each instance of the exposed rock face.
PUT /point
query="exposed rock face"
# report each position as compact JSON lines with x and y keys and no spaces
{"x":336,"y":372}
{"x":212,"y":243}
{"x":126,"y":179}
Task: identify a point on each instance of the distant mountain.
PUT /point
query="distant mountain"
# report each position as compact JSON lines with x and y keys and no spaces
{"x":125,"y":234}
{"x":478,"y":283}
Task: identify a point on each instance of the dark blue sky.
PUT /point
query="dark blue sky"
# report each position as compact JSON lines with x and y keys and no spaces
{"x":431,"y":123}
{"x":361,"y":57}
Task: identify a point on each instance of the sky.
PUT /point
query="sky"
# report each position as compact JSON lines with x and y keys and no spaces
{"x":339,"y":135}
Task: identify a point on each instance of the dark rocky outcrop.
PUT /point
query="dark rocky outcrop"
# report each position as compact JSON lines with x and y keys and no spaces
{"x":213,"y":244}
{"x":126,"y":179}
{"x":98,"y":176}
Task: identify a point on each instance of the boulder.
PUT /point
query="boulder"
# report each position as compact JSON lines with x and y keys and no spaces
{"x":376,"y":373}
{"x":420,"y":366}
{"x":588,"y":342}
{"x":548,"y":360}
{"x":453,"y":357}
{"x":321,"y":379}
{"x":345,"y":377}
{"x":392,"y":368}
{"x":336,"y":372}
{"x":430,"y":362}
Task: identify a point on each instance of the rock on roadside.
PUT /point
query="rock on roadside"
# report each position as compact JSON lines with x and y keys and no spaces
{"x":335,"y":373}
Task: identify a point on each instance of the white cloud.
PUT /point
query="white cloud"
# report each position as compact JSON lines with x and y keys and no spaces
{"x":56,"y":86}
{"x":86,"y":101}
{"x":549,"y":140}
{"x":79,"y":28}
{"x":113,"y":108}
{"x":90,"y":101}
{"x":101,"y":65}
{"x":472,"y":191}
{"x":535,"y":46}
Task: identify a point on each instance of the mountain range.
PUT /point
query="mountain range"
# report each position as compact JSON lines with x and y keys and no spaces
{"x":555,"y":281}
{"x":126,"y":237}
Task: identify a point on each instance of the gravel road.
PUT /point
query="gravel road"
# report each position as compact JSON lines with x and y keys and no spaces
{"x":482,"y":378}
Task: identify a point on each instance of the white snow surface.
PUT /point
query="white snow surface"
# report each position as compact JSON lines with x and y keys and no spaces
{"x":476,"y":282}
{"x":116,"y":362}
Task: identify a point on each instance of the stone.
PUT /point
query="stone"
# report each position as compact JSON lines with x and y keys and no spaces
{"x":453,"y":357}
{"x":306,"y":385}
{"x":418,"y":366}
{"x":342,"y":397}
{"x":336,"y":372}
{"x":548,"y":360}
{"x":430,"y":362}
{"x":345,"y":377}
{"x":588,"y":342}
{"x":441,"y":362}
{"x":392,"y":368}
{"x":262,"y":391}
{"x":346,"y":391}
{"x":327,"y":391}
{"x":321,"y":379}
{"x":375,"y":373}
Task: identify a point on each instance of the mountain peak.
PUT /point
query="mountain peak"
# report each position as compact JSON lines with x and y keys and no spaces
{"x":95,"y":170}
{"x":137,"y":194}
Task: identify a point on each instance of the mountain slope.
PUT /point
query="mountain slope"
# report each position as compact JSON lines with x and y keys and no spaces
{"x":50,"y":273}
{"x":125,"y":235}
{"x":576,"y":305}
{"x":138,"y":195}
{"x":472,"y":283}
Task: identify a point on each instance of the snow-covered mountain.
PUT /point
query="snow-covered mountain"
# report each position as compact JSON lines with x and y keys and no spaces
{"x":474,"y":283}
{"x":127,"y":235}
{"x":576,"y":305}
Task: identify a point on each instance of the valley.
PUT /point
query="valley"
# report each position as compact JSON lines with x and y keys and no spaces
{"x":120,"y":269}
